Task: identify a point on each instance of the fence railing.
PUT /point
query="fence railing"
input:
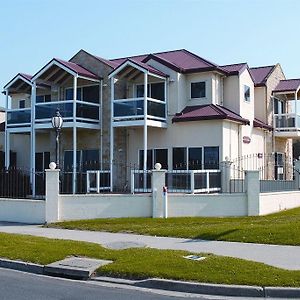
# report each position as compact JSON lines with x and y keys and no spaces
{"x":193,"y":181}
{"x":179,"y":181}
{"x":141,"y":181}
{"x":97,"y":180}
{"x":267,"y":186}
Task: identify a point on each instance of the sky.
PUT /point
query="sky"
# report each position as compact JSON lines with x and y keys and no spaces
{"x":259,"y":32}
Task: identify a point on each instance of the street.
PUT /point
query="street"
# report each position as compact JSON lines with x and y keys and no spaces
{"x":22,"y":286}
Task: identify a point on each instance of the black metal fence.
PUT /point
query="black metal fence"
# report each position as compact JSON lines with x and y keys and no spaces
{"x":16,"y":183}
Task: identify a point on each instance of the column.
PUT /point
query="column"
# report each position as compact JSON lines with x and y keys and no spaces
{"x":252,"y":188}
{"x":7,"y":135}
{"x":158,"y":183}
{"x":52,"y":195}
{"x":145,"y":128}
{"x":111,"y":145}
{"x":33,"y":137}
{"x":74,"y":135}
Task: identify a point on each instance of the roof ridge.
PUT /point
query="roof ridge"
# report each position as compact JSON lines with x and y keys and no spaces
{"x":66,"y":61}
{"x":243,"y":63}
{"x":289,"y":79}
{"x":262,"y":67}
{"x":99,"y":58}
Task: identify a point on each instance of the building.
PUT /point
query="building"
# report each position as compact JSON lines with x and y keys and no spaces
{"x":172,"y":107}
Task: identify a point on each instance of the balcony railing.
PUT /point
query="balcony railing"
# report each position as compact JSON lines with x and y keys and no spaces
{"x":19,"y":116}
{"x":85,"y":111}
{"x":133,"y":109}
{"x":288,"y":121}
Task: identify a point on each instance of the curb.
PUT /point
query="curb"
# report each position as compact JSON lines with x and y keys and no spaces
{"x":173,"y":285}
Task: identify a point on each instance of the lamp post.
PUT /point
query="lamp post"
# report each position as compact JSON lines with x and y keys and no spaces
{"x":57,"y":122}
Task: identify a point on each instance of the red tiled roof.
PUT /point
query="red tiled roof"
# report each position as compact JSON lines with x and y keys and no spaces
{"x":235,"y":68}
{"x":289,"y":85}
{"x":180,"y":60}
{"x":261,"y":74}
{"x":260,"y":124}
{"x":77,"y":68}
{"x":208,"y":112}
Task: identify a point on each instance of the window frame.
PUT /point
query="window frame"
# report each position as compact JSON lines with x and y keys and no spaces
{"x":149,"y":91}
{"x":247,"y":99}
{"x":203,"y":163}
{"x":205,"y":89}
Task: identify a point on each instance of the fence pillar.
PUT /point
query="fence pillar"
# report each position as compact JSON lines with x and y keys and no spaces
{"x":52,"y":195}
{"x":252,"y":188}
{"x":297,"y":174}
{"x":158,"y":183}
{"x":225,"y":176}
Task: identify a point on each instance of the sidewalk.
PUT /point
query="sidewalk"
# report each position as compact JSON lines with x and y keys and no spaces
{"x":286,"y":257}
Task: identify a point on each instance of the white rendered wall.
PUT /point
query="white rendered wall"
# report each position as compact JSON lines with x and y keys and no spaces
{"x":181,"y":134}
{"x":275,"y":202}
{"x":22,"y":211}
{"x":217,"y":205}
{"x":74,"y":207}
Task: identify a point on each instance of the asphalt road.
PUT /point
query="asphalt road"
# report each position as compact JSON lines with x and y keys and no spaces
{"x":22,"y":286}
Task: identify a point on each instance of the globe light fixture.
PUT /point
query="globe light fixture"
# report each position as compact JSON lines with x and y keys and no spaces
{"x":57,"y":123}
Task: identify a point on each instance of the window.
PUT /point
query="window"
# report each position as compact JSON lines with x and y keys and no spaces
{"x":279,"y":107}
{"x":86,"y":93}
{"x":198,"y":89}
{"x":195,"y":158}
{"x":22,"y":104}
{"x":198,"y":158}
{"x":246,"y":93}
{"x":155,"y":90}
{"x":86,"y":160}
{"x":211,"y":157}
{"x":154,"y":156}
{"x":179,"y":159}
{"x":42,"y":161}
{"x":43,"y":98}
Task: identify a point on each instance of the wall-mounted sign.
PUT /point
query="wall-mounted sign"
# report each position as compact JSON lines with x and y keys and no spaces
{"x":246,"y":139}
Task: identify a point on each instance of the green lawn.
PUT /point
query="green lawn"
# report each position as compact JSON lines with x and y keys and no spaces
{"x":143,"y":263}
{"x":282,"y":228}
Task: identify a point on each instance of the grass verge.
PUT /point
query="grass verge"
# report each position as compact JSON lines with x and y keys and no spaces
{"x":143,"y":263}
{"x":282,"y":228}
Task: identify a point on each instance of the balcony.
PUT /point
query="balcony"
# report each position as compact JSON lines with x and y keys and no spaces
{"x":131,"y":112}
{"x":287,"y":125}
{"x":19,"y":117}
{"x":87,"y":114}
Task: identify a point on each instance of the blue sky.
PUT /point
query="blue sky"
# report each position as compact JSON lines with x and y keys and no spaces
{"x":260,"y":32}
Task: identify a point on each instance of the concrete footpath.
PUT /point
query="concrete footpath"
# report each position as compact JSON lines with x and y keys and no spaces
{"x":286,"y":257}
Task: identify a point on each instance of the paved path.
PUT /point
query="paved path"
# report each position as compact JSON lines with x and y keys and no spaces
{"x":286,"y":257}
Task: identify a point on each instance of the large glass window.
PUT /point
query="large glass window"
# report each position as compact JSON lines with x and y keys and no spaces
{"x":91,"y":93}
{"x":179,"y":159}
{"x":211,"y":157}
{"x":42,"y":161}
{"x":198,"y":89}
{"x":43,"y":98}
{"x":154,"y":156}
{"x":279,"y":107}
{"x":195,"y":158}
{"x":69,"y":94}
{"x":22,"y":104}
{"x":86,"y":160}
{"x":155,"y":90}
{"x":198,"y":158}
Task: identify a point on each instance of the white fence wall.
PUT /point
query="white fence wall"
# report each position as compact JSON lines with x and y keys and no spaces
{"x":22,"y":211}
{"x":209,"y":205}
{"x":274,"y":202}
{"x":74,"y":207}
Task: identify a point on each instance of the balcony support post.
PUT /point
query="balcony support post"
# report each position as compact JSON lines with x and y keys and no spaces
{"x":74,"y":135}
{"x":32,"y":138}
{"x":145,"y":128}
{"x":7,"y":137}
{"x":111,"y":156}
